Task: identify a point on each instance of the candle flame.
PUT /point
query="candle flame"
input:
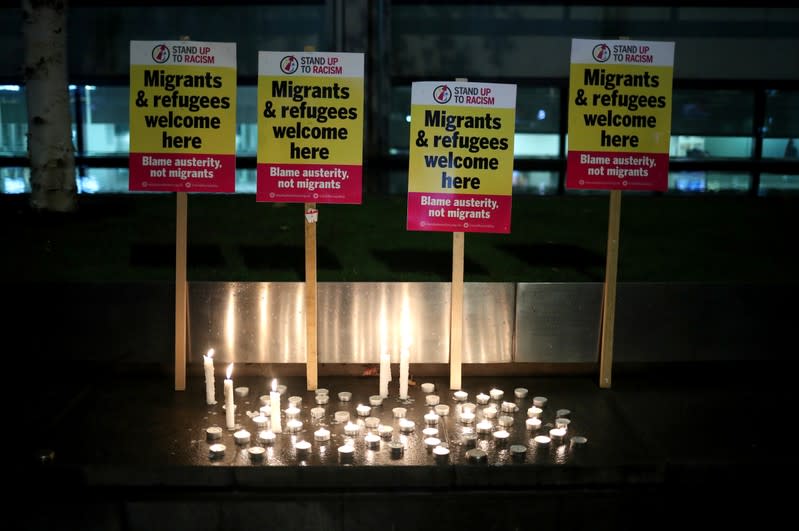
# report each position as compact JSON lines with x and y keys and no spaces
{"x":274,"y":385}
{"x":229,"y":371}
{"x":210,"y":353}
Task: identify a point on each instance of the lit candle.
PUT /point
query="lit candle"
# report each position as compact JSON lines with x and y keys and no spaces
{"x":274,"y":404}
{"x":208,"y":364}
{"x":385,"y":373}
{"x":230,"y":406}
{"x":403,"y":385}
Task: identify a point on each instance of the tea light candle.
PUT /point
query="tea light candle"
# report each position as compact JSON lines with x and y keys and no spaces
{"x":460,"y":396}
{"x":484,"y":427}
{"x":295,"y":401}
{"x":520,"y":392}
{"x":216,"y":451}
{"x":375,"y":400}
{"x":430,"y":432}
{"x":321,"y":434}
{"x":385,"y":431}
{"x":341,"y":416}
{"x":501,"y":436}
{"x":345,"y":452}
{"x":496,"y":394}
{"x":562,"y":413}
{"x":540,"y":401}
{"x":281,"y":389}
{"x":208,"y":365}
{"x":518,"y":452}
{"x":242,"y":392}
{"x":260,"y":421}
{"x":404,"y":362}
{"x":213,"y":433}
{"x":317,"y":412}
{"x":292,"y":412}
{"x":242,"y":437}
{"x":427,"y":387}
{"x":363,"y":410}
{"x":468,"y":406}
{"x":322,"y":399}
{"x":541,"y":440}
{"x":406,"y":425}
{"x":533,"y":423}
{"x":467,"y":417}
{"x":264,"y":400}
{"x":294,"y":425}
{"x":508,"y":407}
{"x":399,"y":412}
{"x":469,"y":440}
{"x":230,"y":406}
{"x":557,"y":434}
{"x":506,"y":421}
{"x":489,"y":412}
{"x":431,"y":442}
{"x":351,"y":429}
{"x":385,"y":373}
{"x":321,"y":391}
{"x":578,"y":440}
{"x":431,"y":400}
{"x":431,"y":418}
{"x":534,"y":411}
{"x":344,"y":396}
{"x":396,"y":449}
{"x":256,"y":453}
{"x":562,"y":423}
{"x":371,"y":422}
{"x":442,"y":410}
{"x":274,"y":406}
{"x":482,"y":399}
{"x":266,"y":410}
{"x":372,"y":441}
{"x":441,"y":454}
{"x":302,"y":448}
{"x":266,"y":437}
{"x":476,"y":456}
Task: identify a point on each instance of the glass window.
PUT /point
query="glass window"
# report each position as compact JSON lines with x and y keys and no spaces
{"x":535,"y":182}
{"x":106,"y":120}
{"x":399,"y":120}
{"x":772,"y":184}
{"x":13,"y":120}
{"x":709,"y":181}
{"x":246,"y":122}
{"x":15,"y":180}
{"x":537,"y":122}
{"x":712,"y":124}
{"x":781,"y":128}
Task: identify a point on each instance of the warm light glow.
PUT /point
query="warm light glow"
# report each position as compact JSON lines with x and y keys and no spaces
{"x":210,"y":353}
{"x":274,"y":385}
{"x":229,"y":371}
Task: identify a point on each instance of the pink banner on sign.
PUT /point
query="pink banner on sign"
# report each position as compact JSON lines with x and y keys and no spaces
{"x":602,"y":170}
{"x":167,"y":172}
{"x":309,"y":183}
{"x":459,"y":212}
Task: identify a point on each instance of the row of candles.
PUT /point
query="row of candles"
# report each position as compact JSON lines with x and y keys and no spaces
{"x":230,"y":407}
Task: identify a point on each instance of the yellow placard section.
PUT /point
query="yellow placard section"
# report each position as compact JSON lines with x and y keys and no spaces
{"x":620,"y":108}
{"x":310,"y":120}
{"x":452,"y":147}
{"x":181,"y":109}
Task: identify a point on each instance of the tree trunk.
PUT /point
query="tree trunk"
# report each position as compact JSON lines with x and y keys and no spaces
{"x":50,"y":149}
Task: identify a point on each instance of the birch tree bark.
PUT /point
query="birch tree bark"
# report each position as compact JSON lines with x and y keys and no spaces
{"x":50,"y":149}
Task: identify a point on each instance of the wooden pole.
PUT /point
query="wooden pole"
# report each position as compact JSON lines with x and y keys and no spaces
{"x":311,"y":337}
{"x":181,"y":291}
{"x":181,"y":287}
{"x":456,"y":306}
{"x":609,"y":291}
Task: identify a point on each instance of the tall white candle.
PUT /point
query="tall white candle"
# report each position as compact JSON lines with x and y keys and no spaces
{"x":403,"y":383}
{"x":385,"y":373}
{"x":274,"y":402}
{"x":208,"y":365}
{"x":230,"y":406}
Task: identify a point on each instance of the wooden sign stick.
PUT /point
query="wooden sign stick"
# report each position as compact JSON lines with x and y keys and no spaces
{"x":456,"y":307}
{"x":181,"y":287}
{"x":311,"y":337}
{"x":609,"y":291}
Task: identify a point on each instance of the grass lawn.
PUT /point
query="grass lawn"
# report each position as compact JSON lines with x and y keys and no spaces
{"x":131,"y":238}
